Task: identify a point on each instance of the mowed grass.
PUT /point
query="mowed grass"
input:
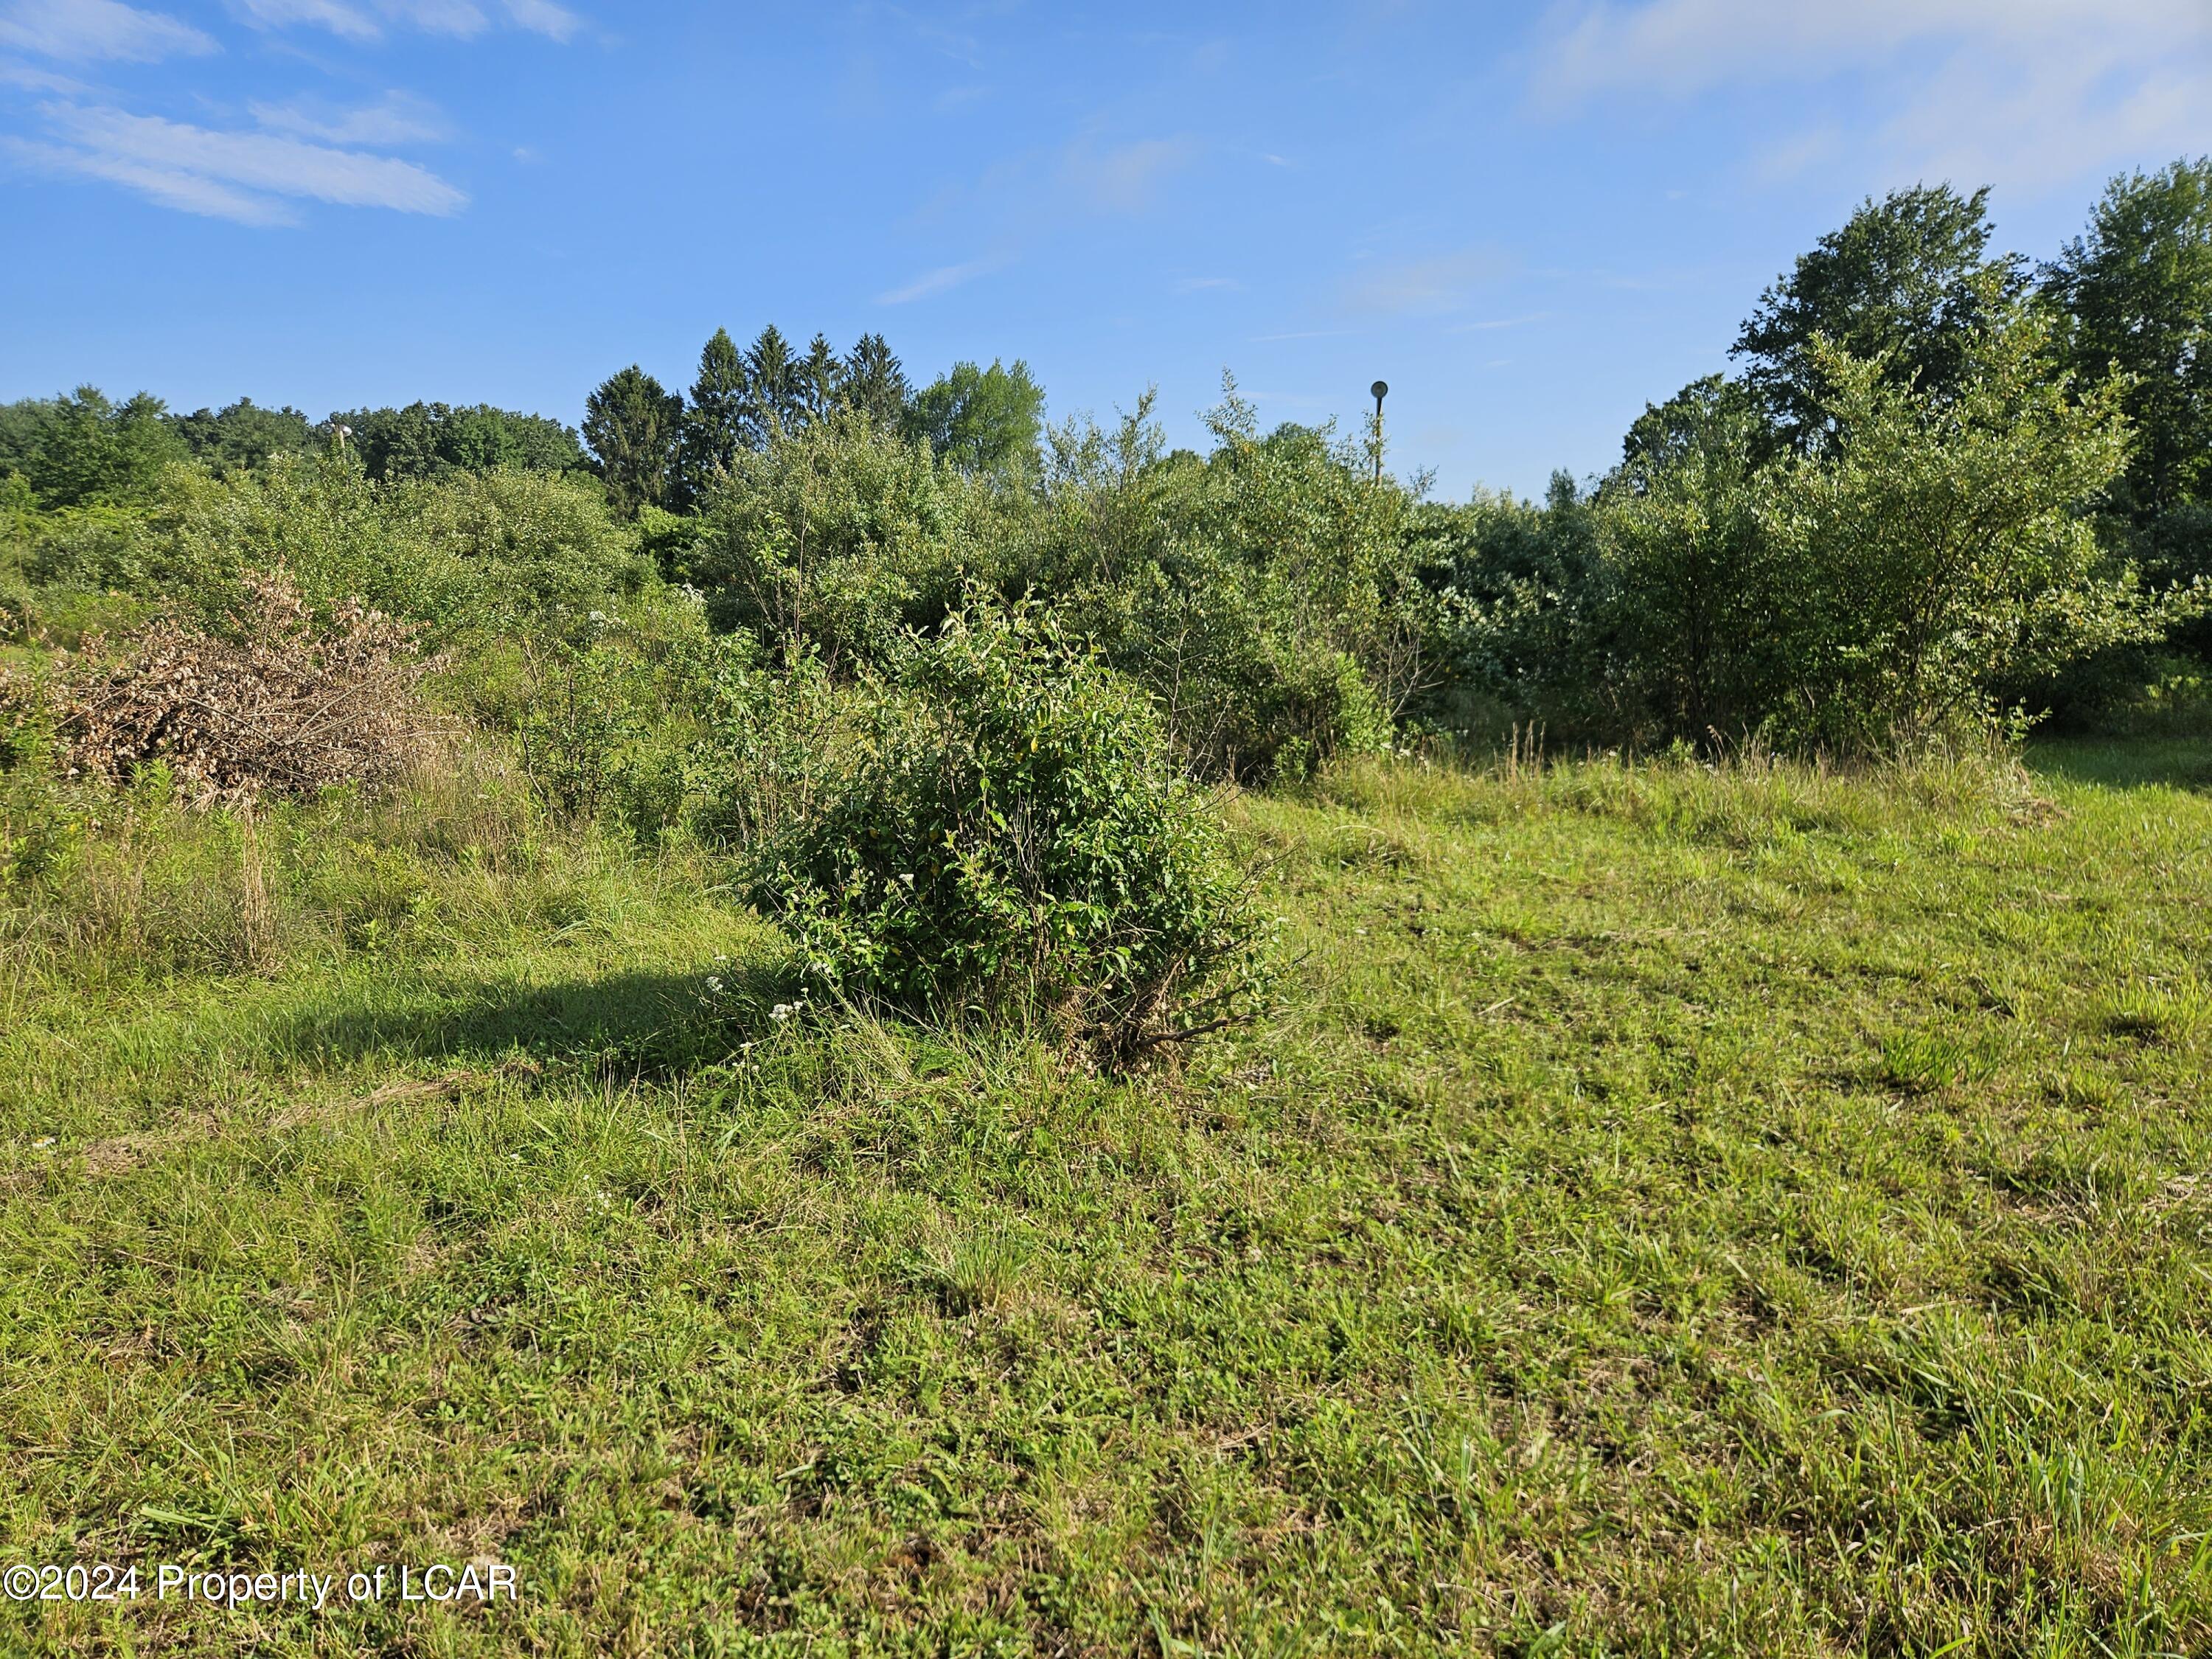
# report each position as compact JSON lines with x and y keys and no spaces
{"x":1672,"y":1212}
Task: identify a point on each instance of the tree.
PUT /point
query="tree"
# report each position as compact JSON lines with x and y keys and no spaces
{"x":821,"y":378}
{"x":1908,"y":280}
{"x":1942,"y":555}
{"x":633,"y":425}
{"x":428,"y":441}
{"x":243,"y":434}
{"x":2136,"y":291}
{"x":1686,"y":606}
{"x":82,"y":450}
{"x":874,"y":384}
{"x":982,"y":420}
{"x":715,"y":426}
{"x":772,"y":384}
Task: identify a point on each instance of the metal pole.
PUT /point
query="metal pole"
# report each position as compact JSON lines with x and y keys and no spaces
{"x":1382,"y":389}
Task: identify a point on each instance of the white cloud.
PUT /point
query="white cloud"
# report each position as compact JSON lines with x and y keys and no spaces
{"x":935,"y":282}
{"x":398,"y":117}
{"x":80,"y":29}
{"x":366,"y":19}
{"x":1439,"y":283}
{"x":232,"y":174}
{"x":182,"y":190}
{"x":1123,"y":179}
{"x":544,"y":17}
{"x":1199,"y":284}
{"x":29,"y":78}
{"x":2031,"y":92}
{"x":1493,"y":323}
{"x":349,"y":22}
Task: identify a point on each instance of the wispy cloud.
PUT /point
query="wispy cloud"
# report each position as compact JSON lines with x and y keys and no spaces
{"x":544,"y":17}
{"x":939,"y":280}
{"x":1439,"y":283}
{"x":398,"y":117}
{"x":1123,"y":178}
{"x":1300,"y":334}
{"x":347,"y":22}
{"x":366,"y":19}
{"x":187,"y":192}
{"x":1489,"y":324}
{"x":1205,"y":284}
{"x":28,"y":78}
{"x":234,"y":175}
{"x":79,"y":30}
{"x":2029,"y":91}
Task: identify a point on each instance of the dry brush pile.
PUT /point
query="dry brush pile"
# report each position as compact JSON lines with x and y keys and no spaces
{"x":278,"y":702}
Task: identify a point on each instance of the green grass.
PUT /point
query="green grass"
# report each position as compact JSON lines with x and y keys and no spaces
{"x":1672,"y":1213}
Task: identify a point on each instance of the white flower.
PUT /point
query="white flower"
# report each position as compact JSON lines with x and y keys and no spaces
{"x":907,"y":877}
{"x":781,"y":1010}
{"x":715,"y":984}
{"x":44,"y":1140}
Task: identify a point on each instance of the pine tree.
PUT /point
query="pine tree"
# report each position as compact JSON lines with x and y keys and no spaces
{"x":633,"y":424}
{"x":821,"y":378}
{"x":715,"y":425}
{"x":875,"y":384}
{"x":771,"y":388}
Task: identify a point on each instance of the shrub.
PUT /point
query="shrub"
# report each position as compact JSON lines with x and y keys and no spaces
{"x":996,"y":824}
{"x":834,"y":540}
{"x":470,"y":555}
{"x":275,"y":702}
{"x":605,"y":715}
{"x":1265,"y":595}
{"x":1944,"y":556}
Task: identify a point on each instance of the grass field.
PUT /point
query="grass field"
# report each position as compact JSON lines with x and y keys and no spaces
{"x":1671,"y":1212}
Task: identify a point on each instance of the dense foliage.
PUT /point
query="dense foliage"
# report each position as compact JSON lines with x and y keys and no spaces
{"x":993,"y":820}
{"x":1940,"y":501}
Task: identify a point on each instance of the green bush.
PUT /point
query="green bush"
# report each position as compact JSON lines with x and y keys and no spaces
{"x":995,"y":825}
{"x":833,"y":540}
{"x":1265,"y":595}
{"x":604,"y":716}
{"x":470,"y":556}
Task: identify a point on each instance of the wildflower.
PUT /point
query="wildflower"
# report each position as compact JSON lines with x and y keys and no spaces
{"x":780,"y":1012}
{"x":44,"y":1140}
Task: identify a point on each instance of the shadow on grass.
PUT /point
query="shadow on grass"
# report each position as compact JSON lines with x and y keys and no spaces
{"x":636,"y":1024}
{"x":2176,"y":763}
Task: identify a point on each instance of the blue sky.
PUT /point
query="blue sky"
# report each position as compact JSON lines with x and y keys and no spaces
{"x":1529,"y":219}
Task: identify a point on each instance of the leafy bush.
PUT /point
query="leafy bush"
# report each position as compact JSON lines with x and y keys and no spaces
{"x":605,"y":715}
{"x":1265,"y":595}
{"x":833,"y":539}
{"x":1944,"y":556}
{"x":1920,"y":576}
{"x":996,"y":824}
{"x":469,"y":555}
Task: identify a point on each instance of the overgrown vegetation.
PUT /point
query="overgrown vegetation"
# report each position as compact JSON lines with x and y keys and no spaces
{"x":639,"y":994}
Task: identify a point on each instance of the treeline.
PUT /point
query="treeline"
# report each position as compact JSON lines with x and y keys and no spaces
{"x":81,"y":449}
{"x":656,"y":449}
{"x":1943,"y":492}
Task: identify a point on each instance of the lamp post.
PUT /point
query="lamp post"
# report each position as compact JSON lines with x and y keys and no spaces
{"x":1382,"y":389}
